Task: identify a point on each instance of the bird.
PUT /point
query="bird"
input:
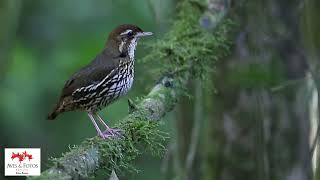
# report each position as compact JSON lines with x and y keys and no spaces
{"x":104,"y":80}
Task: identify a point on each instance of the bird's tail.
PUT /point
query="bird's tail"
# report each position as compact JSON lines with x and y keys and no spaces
{"x":64,"y":104}
{"x":56,"y":111}
{"x":52,"y":115}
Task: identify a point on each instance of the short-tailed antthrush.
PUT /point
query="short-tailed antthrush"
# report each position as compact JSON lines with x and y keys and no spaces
{"x":109,"y":76}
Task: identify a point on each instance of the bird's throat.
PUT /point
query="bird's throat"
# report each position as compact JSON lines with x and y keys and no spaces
{"x":131,"y":48}
{"x":128,"y":48}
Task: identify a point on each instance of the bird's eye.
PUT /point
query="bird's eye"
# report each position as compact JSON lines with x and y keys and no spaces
{"x":130,"y":33}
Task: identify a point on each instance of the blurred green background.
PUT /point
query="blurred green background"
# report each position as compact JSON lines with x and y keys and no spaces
{"x":254,"y":119}
{"x":42,"y":44}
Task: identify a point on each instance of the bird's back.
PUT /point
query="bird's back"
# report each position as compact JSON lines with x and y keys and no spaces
{"x":108,"y":89}
{"x":96,"y":85}
{"x":106,"y":78}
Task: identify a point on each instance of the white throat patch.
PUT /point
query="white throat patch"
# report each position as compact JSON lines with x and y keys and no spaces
{"x":132,"y":48}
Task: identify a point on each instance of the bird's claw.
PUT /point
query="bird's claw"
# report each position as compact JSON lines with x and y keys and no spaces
{"x":104,"y":136}
{"x":111,"y":133}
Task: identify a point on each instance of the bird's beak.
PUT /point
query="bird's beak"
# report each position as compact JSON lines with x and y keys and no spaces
{"x":142,"y":34}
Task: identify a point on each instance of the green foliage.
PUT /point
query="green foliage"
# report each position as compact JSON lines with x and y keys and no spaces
{"x":139,"y":136}
{"x":189,"y":47}
{"x":186,"y":48}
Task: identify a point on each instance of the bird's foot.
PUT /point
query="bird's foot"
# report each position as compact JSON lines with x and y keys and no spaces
{"x":104,"y":136}
{"x":111,"y":133}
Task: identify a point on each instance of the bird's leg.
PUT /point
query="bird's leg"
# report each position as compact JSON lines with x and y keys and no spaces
{"x":97,"y":127}
{"x":108,"y":131}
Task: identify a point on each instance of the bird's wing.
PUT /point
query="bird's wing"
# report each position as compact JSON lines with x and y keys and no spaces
{"x":88,"y":76}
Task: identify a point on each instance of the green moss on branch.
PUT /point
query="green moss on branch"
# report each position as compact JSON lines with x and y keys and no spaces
{"x":190,"y":47}
{"x":187,"y":51}
{"x":140,"y":134}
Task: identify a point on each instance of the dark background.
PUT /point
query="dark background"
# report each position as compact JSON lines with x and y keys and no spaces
{"x":254,"y":118}
{"x":42,"y":44}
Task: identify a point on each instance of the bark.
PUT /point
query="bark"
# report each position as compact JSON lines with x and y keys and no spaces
{"x":195,"y":133}
{"x":310,"y":26}
{"x":262,"y":134}
{"x":140,"y":127}
{"x":113,"y":176}
{"x":85,"y":160}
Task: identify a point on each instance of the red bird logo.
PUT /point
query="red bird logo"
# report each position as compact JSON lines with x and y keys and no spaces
{"x":21,"y":156}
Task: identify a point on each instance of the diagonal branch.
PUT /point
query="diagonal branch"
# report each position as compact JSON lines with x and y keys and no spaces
{"x":95,"y":153}
{"x":192,"y":45}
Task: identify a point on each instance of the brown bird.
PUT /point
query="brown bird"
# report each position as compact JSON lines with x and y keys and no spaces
{"x":109,"y":76}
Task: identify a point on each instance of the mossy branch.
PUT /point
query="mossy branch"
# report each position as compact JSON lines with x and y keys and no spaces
{"x":141,"y":133}
{"x":187,"y":50}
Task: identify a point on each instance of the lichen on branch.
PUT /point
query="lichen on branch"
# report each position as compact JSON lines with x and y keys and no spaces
{"x":187,"y":50}
{"x":190,"y":47}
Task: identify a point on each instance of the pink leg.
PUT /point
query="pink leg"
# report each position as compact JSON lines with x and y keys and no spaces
{"x":102,"y":135}
{"x":109,"y":131}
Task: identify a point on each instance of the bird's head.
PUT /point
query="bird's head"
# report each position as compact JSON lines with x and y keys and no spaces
{"x":124,"y":38}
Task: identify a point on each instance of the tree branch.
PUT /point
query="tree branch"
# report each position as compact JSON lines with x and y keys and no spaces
{"x":197,"y":123}
{"x":95,"y":153}
{"x":113,"y":176}
{"x":192,"y":45}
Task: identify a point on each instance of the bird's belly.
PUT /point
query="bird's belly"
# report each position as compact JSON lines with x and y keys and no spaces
{"x":111,"y":94}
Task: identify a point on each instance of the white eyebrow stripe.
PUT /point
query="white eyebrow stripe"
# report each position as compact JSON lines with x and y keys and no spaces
{"x":126,"y":32}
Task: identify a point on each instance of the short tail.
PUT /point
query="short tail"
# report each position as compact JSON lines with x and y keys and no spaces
{"x":62,"y":106}
{"x":52,"y":115}
{"x":56,"y":111}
